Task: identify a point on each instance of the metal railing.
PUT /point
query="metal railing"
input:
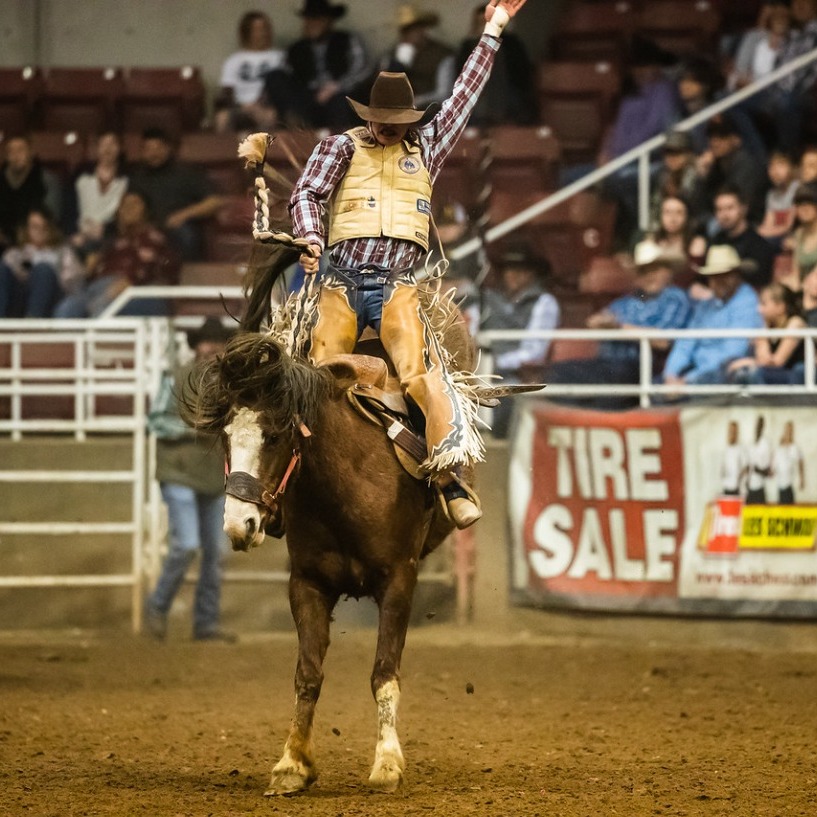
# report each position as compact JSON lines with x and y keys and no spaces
{"x":647,"y":389}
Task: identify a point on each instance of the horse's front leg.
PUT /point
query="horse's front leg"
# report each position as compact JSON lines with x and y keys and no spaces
{"x":312,"y":610}
{"x":395,"y":607}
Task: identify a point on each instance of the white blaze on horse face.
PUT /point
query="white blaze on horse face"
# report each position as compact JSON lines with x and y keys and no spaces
{"x":245,"y":437}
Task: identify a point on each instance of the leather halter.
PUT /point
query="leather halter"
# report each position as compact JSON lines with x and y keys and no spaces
{"x":246,"y":487}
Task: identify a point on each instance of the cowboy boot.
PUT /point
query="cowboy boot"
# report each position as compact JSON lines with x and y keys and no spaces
{"x":460,"y":502}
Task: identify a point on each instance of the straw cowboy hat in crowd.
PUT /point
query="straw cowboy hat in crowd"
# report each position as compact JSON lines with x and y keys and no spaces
{"x":408,"y":16}
{"x":391,"y":101}
{"x":722,"y":258}
{"x":648,"y":253}
{"x":321,"y":8}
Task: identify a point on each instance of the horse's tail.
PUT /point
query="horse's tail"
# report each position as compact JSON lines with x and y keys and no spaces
{"x":269,"y":258}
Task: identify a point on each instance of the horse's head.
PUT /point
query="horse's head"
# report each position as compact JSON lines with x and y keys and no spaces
{"x":259,"y":399}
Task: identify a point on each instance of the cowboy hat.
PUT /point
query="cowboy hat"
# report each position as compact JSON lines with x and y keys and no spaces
{"x":648,"y":253}
{"x":211,"y":331}
{"x":722,"y":258}
{"x":321,"y":8}
{"x":391,"y":101}
{"x":408,"y":15}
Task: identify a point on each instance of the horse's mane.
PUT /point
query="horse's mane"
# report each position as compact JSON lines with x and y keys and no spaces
{"x":256,"y":372}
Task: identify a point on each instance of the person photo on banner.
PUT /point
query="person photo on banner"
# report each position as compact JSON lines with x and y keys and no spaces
{"x":787,"y":465}
{"x":734,"y":463}
{"x":760,"y":465}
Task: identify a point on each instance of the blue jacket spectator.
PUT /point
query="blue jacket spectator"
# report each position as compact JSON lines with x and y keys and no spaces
{"x":734,"y":305}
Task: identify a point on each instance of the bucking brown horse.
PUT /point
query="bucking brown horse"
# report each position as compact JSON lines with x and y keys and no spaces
{"x":357,"y":523}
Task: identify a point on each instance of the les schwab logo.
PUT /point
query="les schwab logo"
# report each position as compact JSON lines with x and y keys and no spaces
{"x":606,"y":505}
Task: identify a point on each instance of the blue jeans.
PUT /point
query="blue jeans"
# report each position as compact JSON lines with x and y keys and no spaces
{"x":35,"y":297}
{"x":195,"y":523}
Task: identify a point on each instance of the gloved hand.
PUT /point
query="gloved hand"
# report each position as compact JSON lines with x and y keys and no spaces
{"x":498,"y":14}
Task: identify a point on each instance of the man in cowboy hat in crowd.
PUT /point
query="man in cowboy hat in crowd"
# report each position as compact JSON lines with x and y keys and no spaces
{"x":322,"y":67}
{"x":733,"y":305}
{"x":427,"y":63}
{"x":654,"y":303}
{"x":375,"y":182}
{"x":190,"y":471}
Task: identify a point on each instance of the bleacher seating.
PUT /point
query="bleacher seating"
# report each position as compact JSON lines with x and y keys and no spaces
{"x":216,"y":154}
{"x":680,"y":26}
{"x":60,"y":151}
{"x":577,"y":101}
{"x":598,"y":31}
{"x":80,"y":99}
{"x":523,"y":159}
{"x":20,"y":89}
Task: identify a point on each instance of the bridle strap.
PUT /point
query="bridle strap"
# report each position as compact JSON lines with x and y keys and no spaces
{"x":248,"y":488}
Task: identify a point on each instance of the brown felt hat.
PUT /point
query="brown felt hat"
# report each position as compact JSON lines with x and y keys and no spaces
{"x":391,"y":101}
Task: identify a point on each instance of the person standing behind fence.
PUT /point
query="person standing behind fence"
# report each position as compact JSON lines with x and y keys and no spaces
{"x":190,"y":470}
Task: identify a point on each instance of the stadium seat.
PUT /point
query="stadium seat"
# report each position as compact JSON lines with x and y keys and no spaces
{"x":80,"y":99}
{"x":19,"y":91}
{"x":680,"y":26}
{"x":523,"y":159}
{"x":577,"y":101}
{"x":459,"y":181}
{"x":169,"y":98}
{"x":606,"y":275}
{"x":216,"y":154}
{"x":594,"y":31}
{"x":61,"y":152}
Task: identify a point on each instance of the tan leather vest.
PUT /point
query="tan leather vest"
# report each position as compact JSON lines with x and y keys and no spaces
{"x":386,"y":191}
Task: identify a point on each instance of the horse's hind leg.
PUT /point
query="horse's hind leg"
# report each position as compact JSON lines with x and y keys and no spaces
{"x":312,"y":611}
{"x":395,"y":607}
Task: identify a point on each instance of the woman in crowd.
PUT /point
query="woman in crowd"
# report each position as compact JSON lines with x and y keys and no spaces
{"x":775,"y":360}
{"x":138,"y":255}
{"x":39,"y":270}
{"x":241,"y":103}
{"x":98,"y":193}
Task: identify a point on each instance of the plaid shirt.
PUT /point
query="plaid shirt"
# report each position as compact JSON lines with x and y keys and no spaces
{"x":331,"y":157}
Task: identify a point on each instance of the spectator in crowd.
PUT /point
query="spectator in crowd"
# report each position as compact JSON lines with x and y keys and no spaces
{"x":648,"y":109}
{"x":733,"y":228}
{"x":38,"y":271}
{"x":323,"y":67}
{"x":677,"y":233}
{"x":733,"y":305}
{"x":808,"y":294}
{"x":241,"y":104}
{"x":510,"y":95}
{"x":804,"y":238}
{"x":521,"y":303}
{"x":429,"y":64}
{"x":734,"y":463}
{"x":760,"y":466}
{"x":676,"y":176}
{"x":190,"y":471}
{"x":98,"y":191}
{"x":760,"y":47}
{"x":775,"y":360}
{"x":25,"y":185}
{"x":727,"y":162}
{"x":139,"y":254}
{"x":807,"y":167}
{"x":787,"y":466}
{"x":779,"y":218}
{"x":179,"y":196}
{"x":654,"y":303}
{"x":698,"y":83}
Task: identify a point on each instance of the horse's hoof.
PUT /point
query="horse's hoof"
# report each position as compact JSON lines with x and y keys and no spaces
{"x":386,"y":779}
{"x":290,"y":780}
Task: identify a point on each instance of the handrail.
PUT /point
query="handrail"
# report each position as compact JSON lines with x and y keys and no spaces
{"x":645,"y":389}
{"x":171,"y":293}
{"x":636,"y":153}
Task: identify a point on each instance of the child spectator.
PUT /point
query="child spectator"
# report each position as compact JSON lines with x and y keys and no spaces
{"x":807,"y":169}
{"x":40,"y":270}
{"x":241,"y":103}
{"x":774,"y":359}
{"x":779,"y":217}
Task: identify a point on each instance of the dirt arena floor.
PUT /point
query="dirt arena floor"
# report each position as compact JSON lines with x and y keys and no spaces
{"x":551,"y":714}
